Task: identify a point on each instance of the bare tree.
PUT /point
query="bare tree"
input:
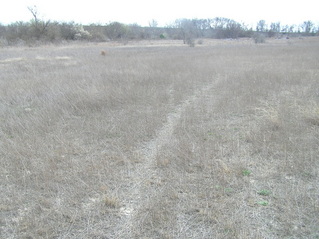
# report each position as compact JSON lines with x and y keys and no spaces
{"x":39,"y":26}
{"x":307,"y":27}
{"x":188,"y":30}
{"x":275,"y":27}
{"x":261,"y":26}
{"x":153,"y":23}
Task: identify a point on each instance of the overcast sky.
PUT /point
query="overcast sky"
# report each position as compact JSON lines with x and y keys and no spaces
{"x":163,"y":11}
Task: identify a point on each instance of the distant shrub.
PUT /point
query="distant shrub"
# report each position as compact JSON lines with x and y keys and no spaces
{"x":162,"y":36}
{"x":259,"y":38}
{"x":72,"y":31}
{"x":116,"y":31}
{"x":200,"y":42}
{"x":81,"y":34}
{"x":99,"y":37}
{"x":17,"y":32}
{"x":67,"y":31}
{"x":190,"y":41}
{"x":3,"y":42}
{"x":53,"y":32}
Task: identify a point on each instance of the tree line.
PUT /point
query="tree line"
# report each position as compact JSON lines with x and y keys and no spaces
{"x":38,"y":31}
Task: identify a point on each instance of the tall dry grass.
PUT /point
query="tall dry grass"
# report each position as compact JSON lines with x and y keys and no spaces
{"x":241,"y":162}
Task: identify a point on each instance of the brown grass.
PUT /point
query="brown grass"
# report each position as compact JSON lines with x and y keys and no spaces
{"x":163,"y":141}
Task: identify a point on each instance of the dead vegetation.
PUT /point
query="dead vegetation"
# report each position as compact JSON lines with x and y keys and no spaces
{"x":240,"y":160}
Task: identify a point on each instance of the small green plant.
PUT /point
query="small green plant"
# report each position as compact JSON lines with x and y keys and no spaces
{"x":263,"y":203}
{"x":162,"y":36}
{"x":228,"y":191}
{"x":264,"y":192}
{"x":246,"y":172}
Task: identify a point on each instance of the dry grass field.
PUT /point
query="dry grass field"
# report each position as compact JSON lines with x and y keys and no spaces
{"x":160,"y":140}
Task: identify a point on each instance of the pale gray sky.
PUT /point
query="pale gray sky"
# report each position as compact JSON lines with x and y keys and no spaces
{"x":164,"y":11}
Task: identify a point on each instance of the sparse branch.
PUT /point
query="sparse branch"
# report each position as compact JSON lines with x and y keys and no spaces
{"x":38,"y":25}
{"x":34,"y":12}
{"x":153,"y":23}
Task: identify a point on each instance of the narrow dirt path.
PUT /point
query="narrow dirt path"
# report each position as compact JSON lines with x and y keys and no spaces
{"x":140,"y":193}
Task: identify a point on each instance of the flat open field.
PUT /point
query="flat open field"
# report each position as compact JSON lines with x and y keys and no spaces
{"x":160,"y":140}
